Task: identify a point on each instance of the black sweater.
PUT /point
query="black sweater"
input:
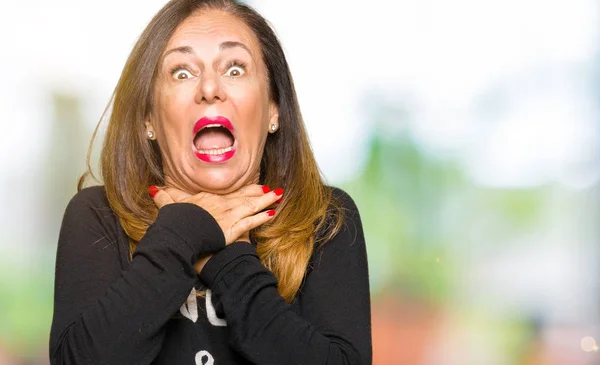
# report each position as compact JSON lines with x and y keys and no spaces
{"x":109,"y":309}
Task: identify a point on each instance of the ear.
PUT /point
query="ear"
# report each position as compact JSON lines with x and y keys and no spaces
{"x":273,"y":118}
{"x":150,"y":133}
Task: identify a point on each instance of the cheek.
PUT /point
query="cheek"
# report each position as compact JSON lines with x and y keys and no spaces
{"x":172,"y":108}
{"x":251,"y":108}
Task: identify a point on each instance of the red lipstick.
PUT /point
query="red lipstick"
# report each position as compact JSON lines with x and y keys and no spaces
{"x":218,"y":120}
{"x":215,"y":154}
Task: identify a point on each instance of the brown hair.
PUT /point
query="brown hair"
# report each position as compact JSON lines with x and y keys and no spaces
{"x":129,"y":163}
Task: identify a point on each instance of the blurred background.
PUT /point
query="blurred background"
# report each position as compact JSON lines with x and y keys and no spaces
{"x":467,"y":131}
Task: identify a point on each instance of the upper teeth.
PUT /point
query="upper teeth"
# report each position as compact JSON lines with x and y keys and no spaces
{"x":213,"y":126}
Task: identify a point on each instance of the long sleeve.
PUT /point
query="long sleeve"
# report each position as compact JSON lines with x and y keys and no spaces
{"x":106,"y":315}
{"x":334,"y":324}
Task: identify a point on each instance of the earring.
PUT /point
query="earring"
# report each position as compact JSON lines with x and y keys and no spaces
{"x":150,"y":135}
{"x":273,"y":127}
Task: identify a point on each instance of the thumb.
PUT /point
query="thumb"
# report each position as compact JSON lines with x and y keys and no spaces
{"x":160,"y":197}
{"x":176,"y":194}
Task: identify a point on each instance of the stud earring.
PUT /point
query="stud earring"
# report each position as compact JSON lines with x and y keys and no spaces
{"x":150,"y":135}
{"x":273,"y":127}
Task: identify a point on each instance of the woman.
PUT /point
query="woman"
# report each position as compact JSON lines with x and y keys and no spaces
{"x":213,"y":266}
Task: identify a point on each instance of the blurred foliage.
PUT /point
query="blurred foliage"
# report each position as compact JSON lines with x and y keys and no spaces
{"x":399,"y":194}
{"x":422,"y":216}
{"x":26,"y":305}
{"x":27,"y":288}
{"x":418,"y":209}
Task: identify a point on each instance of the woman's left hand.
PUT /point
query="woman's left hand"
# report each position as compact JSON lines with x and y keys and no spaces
{"x":225,"y":209}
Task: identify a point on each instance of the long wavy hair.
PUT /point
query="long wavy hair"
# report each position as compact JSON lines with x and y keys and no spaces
{"x":129,"y":162}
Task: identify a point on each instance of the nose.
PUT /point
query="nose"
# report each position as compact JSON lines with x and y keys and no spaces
{"x":210,"y":89}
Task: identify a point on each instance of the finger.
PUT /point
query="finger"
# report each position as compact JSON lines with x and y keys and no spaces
{"x":249,"y":223}
{"x":251,"y":190}
{"x":161,"y":198}
{"x":247,"y":206}
{"x":244,"y":206}
{"x":176,"y":194}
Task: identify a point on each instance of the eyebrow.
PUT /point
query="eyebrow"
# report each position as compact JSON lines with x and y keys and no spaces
{"x":223,"y":46}
{"x":183,"y":49}
{"x":233,"y":44}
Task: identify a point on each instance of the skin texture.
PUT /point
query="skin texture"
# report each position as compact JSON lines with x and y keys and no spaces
{"x":236,"y":213}
{"x":219,"y":73}
{"x":212,"y":66}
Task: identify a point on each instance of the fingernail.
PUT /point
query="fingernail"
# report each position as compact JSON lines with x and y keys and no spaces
{"x":279,"y":200}
{"x":278,"y":191}
{"x":152,"y":190}
{"x":266,"y":189}
{"x":271,"y":212}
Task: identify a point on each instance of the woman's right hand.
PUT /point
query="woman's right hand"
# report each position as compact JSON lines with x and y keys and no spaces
{"x":236,"y":213}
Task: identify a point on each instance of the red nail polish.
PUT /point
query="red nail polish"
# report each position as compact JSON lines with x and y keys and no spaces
{"x":278,"y":191}
{"x":279,"y":200}
{"x":266,"y":189}
{"x":152,"y":190}
{"x":271,"y":212}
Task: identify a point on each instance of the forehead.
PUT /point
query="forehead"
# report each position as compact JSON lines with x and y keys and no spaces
{"x":209,"y":28}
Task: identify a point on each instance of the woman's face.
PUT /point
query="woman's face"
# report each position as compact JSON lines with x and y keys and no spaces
{"x":212,"y":107}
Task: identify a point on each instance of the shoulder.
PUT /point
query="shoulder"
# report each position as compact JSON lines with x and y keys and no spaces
{"x":93,"y":195}
{"x":343,"y":199}
{"x":344,"y":220}
{"x":90,"y":203}
{"x":91,"y":235}
{"x":343,"y":208}
{"x":341,"y":241}
{"x":90,"y":225}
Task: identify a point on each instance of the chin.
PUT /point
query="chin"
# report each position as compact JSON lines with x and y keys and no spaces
{"x":219,"y":182}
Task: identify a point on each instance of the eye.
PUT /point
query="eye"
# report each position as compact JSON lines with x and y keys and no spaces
{"x":181,"y":74}
{"x":235,"y":70}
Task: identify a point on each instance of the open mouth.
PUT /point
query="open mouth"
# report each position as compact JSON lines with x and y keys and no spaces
{"x":214,"y":140}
